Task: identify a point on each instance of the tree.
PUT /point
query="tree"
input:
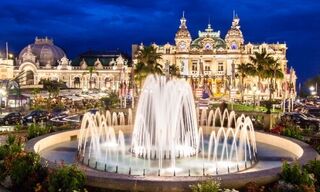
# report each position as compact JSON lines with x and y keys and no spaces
{"x":260,"y":61}
{"x":174,"y":70}
{"x":244,"y":70}
{"x":147,"y":64}
{"x":18,"y":80}
{"x":91,"y":71}
{"x":272,"y":71}
{"x":149,"y":57}
{"x":53,"y":87}
{"x":140,"y":73}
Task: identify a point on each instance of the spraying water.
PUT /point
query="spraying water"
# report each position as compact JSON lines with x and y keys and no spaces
{"x":166,"y":138}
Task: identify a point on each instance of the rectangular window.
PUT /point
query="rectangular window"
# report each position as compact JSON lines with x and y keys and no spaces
{"x":220,"y":67}
{"x":194,"y":67}
{"x":167,"y":51}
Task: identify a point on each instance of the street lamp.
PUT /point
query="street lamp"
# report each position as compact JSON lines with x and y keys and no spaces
{"x":312,"y":90}
{"x":3,"y":93}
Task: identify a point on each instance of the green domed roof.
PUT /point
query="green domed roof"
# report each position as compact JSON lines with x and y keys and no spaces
{"x":217,"y":42}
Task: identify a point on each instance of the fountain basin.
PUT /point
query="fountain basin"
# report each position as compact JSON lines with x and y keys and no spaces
{"x":56,"y":147}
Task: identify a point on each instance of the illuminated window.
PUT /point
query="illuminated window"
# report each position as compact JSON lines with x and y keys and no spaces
{"x":220,"y":67}
{"x":194,"y":67}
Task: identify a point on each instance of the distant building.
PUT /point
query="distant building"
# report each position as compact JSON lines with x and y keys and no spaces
{"x":211,"y":61}
{"x":43,"y":59}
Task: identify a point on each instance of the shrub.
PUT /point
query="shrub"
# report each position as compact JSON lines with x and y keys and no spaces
{"x":209,"y":186}
{"x":25,"y":171}
{"x":11,"y":147}
{"x":112,"y":101}
{"x":278,"y":129}
{"x":206,"y":186}
{"x":314,"y":168}
{"x":37,"y":129}
{"x":67,"y":179}
{"x":292,"y":131}
{"x":18,"y":127}
{"x":296,"y":175}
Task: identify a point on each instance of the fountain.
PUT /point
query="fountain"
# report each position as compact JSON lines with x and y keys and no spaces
{"x":170,"y":145}
{"x":166,"y":139}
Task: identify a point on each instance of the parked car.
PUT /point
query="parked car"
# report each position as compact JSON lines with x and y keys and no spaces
{"x":302,"y":120}
{"x":11,"y":118}
{"x":313,"y":111}
{"x":36,"y":116}
{"x":59,"y":112}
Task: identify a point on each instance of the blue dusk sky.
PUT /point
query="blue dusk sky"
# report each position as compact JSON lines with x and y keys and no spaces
{"x":81,"y":25}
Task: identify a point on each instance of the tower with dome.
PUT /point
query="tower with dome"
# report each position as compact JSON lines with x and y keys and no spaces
{"x":210,"y":61}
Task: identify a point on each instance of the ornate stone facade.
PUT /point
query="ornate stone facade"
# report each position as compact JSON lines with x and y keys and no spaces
{"x":210,"y":61}
{"x":45,"y":60}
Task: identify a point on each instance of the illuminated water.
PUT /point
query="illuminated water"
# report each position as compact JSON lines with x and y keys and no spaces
{"x":166,"y":139}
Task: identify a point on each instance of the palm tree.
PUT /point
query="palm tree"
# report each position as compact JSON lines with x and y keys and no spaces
{"x":149,"y":57}
{"x":140,"y":73}
{"x":147,"y":64}
{"x":273,"y":72}
{"x":260,"y":61}
{"x":18,"y":80}
{"x":91,"y":71}
{"x":244,"y":70}
{"x":174,"y":70}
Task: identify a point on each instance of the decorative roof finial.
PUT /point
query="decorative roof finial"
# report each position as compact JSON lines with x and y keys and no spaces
{"x":234,"y":14}
{"x":209,"y":29}
{"x":183,"y":21}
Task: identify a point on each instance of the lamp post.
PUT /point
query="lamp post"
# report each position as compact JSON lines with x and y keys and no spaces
{"x":3,"y":93}
{"x":312,"y":90}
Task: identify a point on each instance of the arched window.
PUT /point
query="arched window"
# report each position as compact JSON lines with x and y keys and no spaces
{"x":108,"y":82}
{"x":29,"y":77}
{"x":76,"y":82}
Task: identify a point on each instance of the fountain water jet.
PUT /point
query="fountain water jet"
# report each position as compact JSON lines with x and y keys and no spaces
{"x":166,"y":139}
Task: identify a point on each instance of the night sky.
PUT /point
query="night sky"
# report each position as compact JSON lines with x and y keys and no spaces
{"x":78,"y":26}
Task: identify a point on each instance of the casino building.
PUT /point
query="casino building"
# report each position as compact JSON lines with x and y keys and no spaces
{"x":43,"y":59}
{"x":211,"y":61}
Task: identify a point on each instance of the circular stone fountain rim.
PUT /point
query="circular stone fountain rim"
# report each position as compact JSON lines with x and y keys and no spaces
{"x":122,"y":181}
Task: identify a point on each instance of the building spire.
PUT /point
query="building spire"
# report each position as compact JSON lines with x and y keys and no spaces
{"x":183,"y":21}
{"x":209,"y":29}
